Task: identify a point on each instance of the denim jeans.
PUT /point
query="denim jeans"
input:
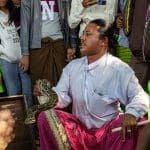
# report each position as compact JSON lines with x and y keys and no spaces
{"x":16,"y":81}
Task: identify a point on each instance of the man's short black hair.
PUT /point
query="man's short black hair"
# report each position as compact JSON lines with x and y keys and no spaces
{"x":106,"y":31}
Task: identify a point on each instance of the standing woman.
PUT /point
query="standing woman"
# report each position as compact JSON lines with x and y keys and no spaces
{"x":16,"y":81}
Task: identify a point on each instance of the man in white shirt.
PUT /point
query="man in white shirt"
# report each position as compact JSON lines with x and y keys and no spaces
{"x":95,"y":85}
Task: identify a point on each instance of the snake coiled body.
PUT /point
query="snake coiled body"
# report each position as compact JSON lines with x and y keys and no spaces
{"x":47,"y":100}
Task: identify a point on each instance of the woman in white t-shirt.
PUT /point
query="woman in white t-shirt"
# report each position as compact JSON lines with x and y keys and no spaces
{"x":16,"y":81}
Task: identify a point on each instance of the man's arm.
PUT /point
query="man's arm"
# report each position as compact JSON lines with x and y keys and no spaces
{"x":76,"y":11}
{"x":88,"y":3}
{"x":138,"y":100}
{"x":25,"y":33}
{"x":73,"y":44}
{"x":70,"y":35}
{"x":63,"y":88}
{"x":137,"y":104}
{"x":111,"y":10}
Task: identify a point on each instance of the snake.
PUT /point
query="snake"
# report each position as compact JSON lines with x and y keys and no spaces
{"x":47,"y":100}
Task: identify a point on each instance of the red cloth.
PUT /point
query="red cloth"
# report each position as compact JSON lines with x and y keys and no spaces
{"x":80,"y":138}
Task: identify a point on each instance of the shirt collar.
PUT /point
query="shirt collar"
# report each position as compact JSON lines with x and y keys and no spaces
{"x":102,"y":61}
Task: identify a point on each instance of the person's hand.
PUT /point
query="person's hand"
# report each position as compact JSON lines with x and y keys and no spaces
{"x":129,"y":123}
{"x":119,"y":22}
{"x":70,"y":54}
{"x":88,"y":3}
{"x":6,"y":128}
{"x":24,"y":63}
{"x":36,"y":91}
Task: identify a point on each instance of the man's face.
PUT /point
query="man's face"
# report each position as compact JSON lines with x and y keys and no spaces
{"x":3,"y":3}
{"x":90,"y":40}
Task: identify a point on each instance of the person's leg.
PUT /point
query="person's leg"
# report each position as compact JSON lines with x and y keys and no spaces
{"x":26,"y":86}
{"x":11,"y":77}
{"x":59,"y":55}
{"x":47,"y":140}
{"x":41,"y":62}
{"x":144,"y":139}
{"x":58,"y":128}
{"x":142,"y":71}
{"x":37,"y":61}
{"x":47,"y":62}
{"x":61,"y":130}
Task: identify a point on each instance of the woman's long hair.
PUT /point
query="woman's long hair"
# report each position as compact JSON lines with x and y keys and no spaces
{"x":14,"y":13}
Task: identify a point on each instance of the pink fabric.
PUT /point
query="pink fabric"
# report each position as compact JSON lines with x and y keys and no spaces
{"x":47,"y":140}
{"x":82,"y":139}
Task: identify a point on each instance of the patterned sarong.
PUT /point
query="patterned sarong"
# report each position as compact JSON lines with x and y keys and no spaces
{"x":63,"y":131}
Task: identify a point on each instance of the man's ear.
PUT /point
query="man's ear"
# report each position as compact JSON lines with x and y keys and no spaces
{"x":103,"y":41}
{"x":106,"y":40}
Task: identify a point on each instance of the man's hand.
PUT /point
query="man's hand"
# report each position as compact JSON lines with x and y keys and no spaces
{"x":128,"y":125}
{"x":36,"y":91}
{"x":88,"y":3}
{"x":119,"y":22}
{"x":24,"y":63}
{"x":70,"y":54}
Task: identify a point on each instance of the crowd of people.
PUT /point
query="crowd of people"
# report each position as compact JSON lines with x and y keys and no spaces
{"x":74,"y":44}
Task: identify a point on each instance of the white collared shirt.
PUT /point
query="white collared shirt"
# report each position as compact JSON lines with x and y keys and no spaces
{"x":80,"y":15}
{"x":96,"y":90}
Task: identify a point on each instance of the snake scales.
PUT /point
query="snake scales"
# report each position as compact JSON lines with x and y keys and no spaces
{"x":47,"y":100}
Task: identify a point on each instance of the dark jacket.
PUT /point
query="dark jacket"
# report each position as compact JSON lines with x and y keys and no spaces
{"x":139,"y":39}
